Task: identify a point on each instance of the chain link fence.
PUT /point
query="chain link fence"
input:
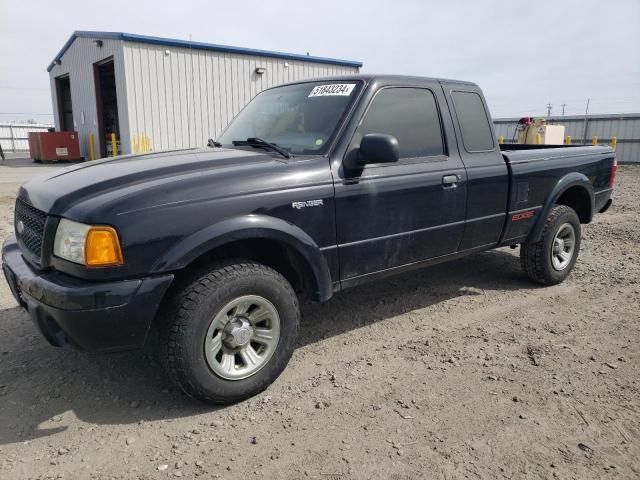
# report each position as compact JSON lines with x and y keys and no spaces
{"x":14,"y":137}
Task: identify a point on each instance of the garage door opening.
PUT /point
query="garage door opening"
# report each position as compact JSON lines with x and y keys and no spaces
{"x":65,"y":108}
{"x":107,"y":107}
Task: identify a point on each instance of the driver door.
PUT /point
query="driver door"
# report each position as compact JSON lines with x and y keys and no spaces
{"x":397,"y":214}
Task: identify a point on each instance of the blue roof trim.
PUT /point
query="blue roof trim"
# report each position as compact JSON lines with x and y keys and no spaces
{"x":170,"y":42}
{"x":83,"y":34}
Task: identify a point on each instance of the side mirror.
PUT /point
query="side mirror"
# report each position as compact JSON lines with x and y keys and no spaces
{"x":379,"y":148}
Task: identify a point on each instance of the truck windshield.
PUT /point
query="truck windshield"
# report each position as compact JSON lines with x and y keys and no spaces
{"x":300,"y":118}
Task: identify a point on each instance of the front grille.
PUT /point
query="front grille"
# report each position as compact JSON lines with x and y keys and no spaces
{"x":31,"y":232}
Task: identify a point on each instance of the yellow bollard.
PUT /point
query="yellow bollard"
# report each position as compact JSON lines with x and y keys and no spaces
{"x":594,"y":140}
{"x":538,"y":139}
{"x":500,"y":139}
{"x":114,"y":145}
{"x":92,"y":147}
{"x":614,"y":143}
{"x":567,"y":140}
{"x":134,"y":143}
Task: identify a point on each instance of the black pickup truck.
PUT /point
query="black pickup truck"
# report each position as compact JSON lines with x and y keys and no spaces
{"x":315,"y":187}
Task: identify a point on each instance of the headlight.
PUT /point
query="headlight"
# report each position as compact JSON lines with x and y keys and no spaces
{"x":93,"y":246}
{"x":70,"y":240}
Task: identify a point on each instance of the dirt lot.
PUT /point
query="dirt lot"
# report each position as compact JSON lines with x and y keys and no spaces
{"x":465,"y":370}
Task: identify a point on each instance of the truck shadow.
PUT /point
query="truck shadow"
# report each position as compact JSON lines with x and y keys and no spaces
{"x":396,"y":295}
{"x":42,"y":388}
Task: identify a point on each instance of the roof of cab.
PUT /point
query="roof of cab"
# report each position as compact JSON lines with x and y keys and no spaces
{"x":383,"y":78}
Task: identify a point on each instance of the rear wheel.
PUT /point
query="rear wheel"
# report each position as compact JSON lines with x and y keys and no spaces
{"x":550,"y":260}
{"x":230,"y":332}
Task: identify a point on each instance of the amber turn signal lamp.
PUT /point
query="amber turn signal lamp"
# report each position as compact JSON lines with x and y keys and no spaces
{"x":102,"y":248}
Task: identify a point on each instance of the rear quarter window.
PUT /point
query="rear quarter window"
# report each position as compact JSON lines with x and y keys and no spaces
{"x":473,"y":121}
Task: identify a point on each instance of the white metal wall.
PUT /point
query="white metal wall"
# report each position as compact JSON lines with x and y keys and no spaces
{"x":180,"y":97}
{"x":14,"y":136}
{"x":78,"y":62}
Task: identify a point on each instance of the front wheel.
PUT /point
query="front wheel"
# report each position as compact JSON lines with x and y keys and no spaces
{"x":230,"y":332}
{"x":550,"y":260}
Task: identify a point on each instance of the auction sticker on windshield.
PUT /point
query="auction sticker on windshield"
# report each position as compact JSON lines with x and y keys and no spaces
{"x":343,"y":89}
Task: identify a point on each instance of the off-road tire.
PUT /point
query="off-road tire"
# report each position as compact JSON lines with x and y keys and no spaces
{"x":188,"y":314}
{"x":535,"y":257}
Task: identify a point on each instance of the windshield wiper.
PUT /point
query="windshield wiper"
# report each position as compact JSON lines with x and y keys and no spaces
{"x":258,"y":142}
{"x":213,"y":143}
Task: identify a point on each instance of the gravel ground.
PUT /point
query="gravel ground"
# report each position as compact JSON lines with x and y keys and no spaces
{"x":463,"y":370}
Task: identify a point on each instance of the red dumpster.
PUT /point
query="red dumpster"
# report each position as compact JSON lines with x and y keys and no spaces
{"x":52,"y":146}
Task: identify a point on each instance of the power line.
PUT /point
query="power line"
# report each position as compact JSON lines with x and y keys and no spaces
{"x":576,"y":100}
{"x":8,"y":87}
{"x":24,"y":113}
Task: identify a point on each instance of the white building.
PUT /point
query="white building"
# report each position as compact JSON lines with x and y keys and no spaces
{"x":158,"y":93}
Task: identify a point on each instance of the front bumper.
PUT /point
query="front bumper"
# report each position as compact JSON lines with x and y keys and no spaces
{"x":92,"y":316}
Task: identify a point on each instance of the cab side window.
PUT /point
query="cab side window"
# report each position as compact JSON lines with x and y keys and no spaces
{"x":473,"y":121}
{"x":410,"y":115}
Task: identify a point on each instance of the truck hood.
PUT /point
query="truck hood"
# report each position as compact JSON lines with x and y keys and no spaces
{"x":104,"y":181}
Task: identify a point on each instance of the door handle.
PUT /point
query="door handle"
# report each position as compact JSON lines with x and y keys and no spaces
{"x":450,"y":180}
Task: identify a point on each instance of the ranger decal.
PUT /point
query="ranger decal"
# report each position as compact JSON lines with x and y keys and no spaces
{"x":307,"y":203}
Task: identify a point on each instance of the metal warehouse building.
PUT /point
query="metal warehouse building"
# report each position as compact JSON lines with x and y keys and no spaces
{"x":158,"y":93}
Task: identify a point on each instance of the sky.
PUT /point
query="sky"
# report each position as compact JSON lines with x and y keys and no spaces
{"x":523,"y":54}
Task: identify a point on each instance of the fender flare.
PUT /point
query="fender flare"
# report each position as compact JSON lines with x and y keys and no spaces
{"x":570,"y":180}
{"x":253,"y":226}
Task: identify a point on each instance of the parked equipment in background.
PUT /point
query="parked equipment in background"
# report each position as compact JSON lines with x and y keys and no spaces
{"x":535,"y":131}
{"x":54,"y":146}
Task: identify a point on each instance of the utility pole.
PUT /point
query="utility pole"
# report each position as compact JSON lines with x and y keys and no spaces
{"x":563,"y":107}
{"x":549,"y":106}
{"x":586,"y":120}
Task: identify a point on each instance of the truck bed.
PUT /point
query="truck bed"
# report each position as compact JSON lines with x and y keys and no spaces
{"x":535,"y":174}
{"x":558,"y":157}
